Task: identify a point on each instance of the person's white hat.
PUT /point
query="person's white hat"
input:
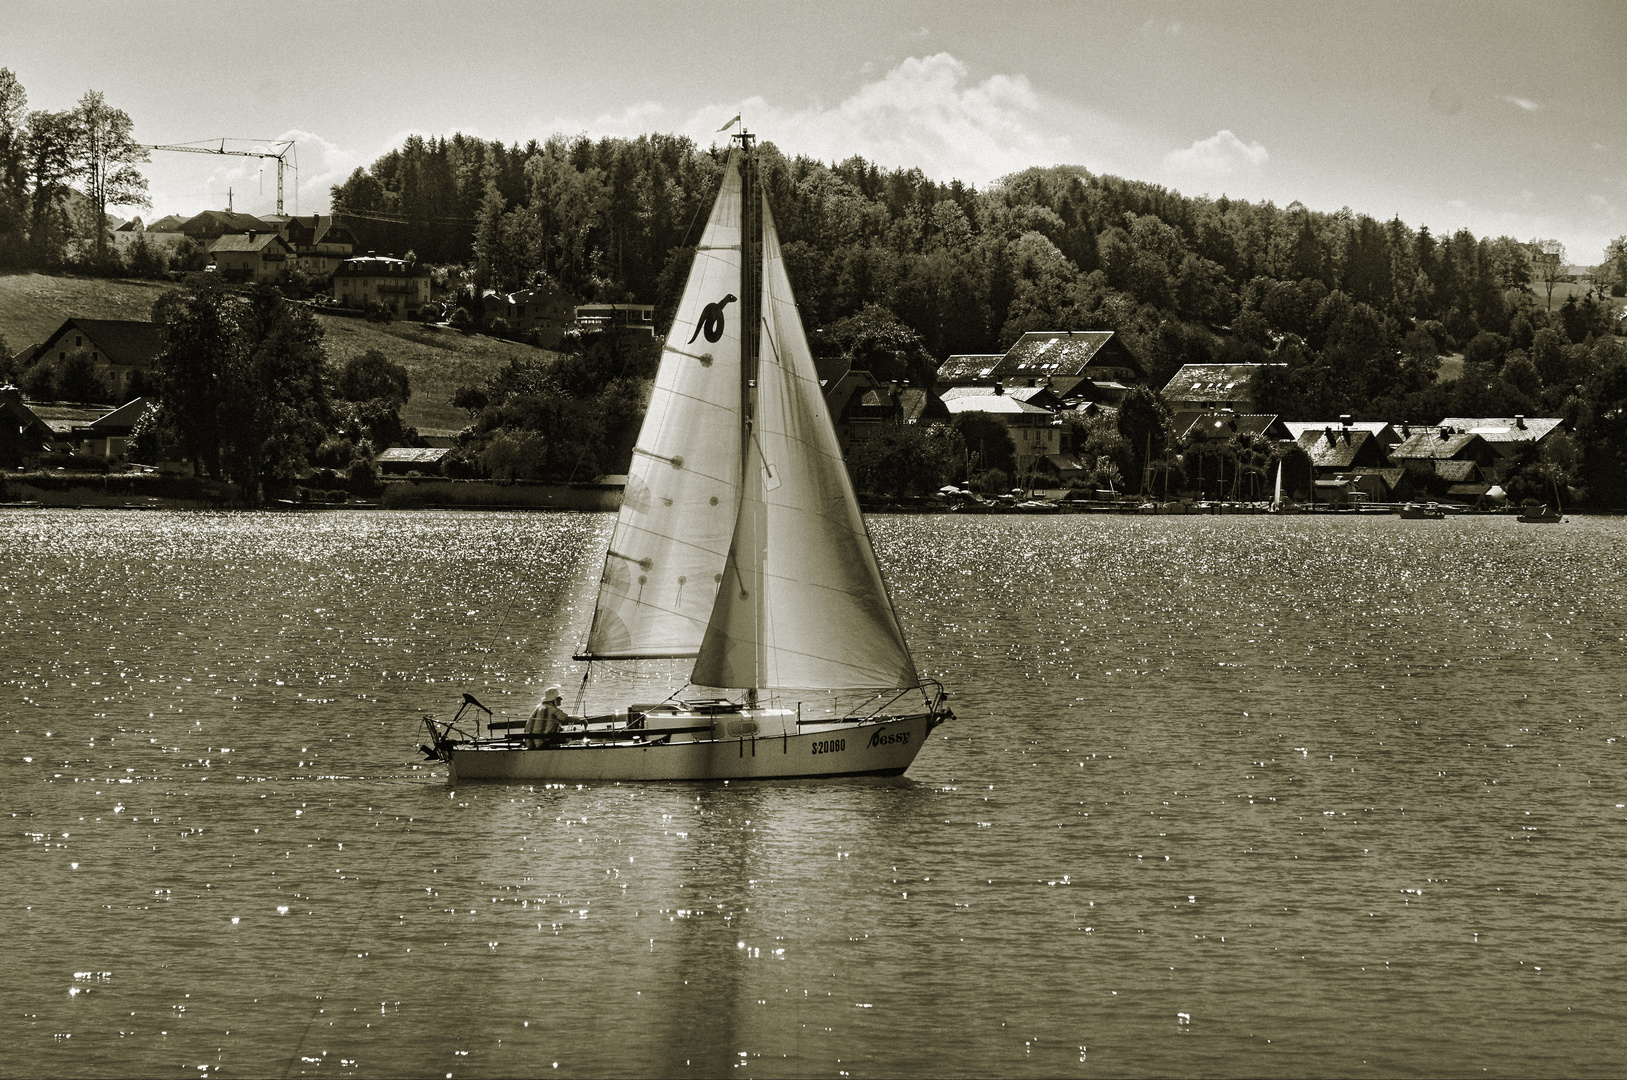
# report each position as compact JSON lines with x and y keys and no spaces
{"x":552,"y":694}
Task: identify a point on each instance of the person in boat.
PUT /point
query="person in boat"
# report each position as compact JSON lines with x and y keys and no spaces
{"x":546,"y":726}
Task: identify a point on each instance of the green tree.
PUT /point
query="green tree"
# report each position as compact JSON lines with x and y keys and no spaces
{"x":105,"y":156}
{"x":1614,"y":268}
{"x":13,"y":170}
{"x":51,"y":140}
{"x":239,"y":384}
{"x":374,"y":375}
{"x":1143,"y":421}
{"x":988,"y":443}
{"x":1548,"y":265}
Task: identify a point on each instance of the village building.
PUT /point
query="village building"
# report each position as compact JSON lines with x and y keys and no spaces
{"x":1461,"y":460}
{"x":1382,"y":430}
{"x":616,"y":316}
{"x":1034,"y":431}
{"x":1225,"y":424}
{"x":258,"y":257}
{"x":1198,"y":387}
{"x":108,"y":436}
{"x":1335,"y":450}
{"x":319,"y":245}
{"x":401,"y":460}
{"x":23,"y":435}
{"x":397,"y":286}
{"x":1514,"y":438}
{"x":121,"y":351}
{"x":969,"y":369}
{"x":546,"y":309}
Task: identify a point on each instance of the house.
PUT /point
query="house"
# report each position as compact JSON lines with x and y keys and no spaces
{"x":616,"y":316}
{"x":1382,"y":430}
{"x":1215,"y":386}
{"x":252,"y":256}
{"x":1033,"y":430}
{"x":860,"y":404}
{"x":1034,"y":395}
{"x":109,"y":434}
{"x":969,"y":369}
{"x":23,"y":436}
{"x":400,"y":460}
{"x":1443,"y":444}
{"x":545,"y":308}
{"x":211,"y":225}
{"x":1342,"y":450}
{"x":1077,"y":354}
{"x":1513,"y":438}
{"x":319,"y":245}
{"x":121,"y":350}
{"x":1225,"y":424}
{"x":397,"y":286}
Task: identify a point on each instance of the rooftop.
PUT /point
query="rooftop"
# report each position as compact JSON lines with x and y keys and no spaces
{"x":1213,"y":382}
{"x":1499,"y":429}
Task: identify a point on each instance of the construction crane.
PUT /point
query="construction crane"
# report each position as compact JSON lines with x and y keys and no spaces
{"x":281,"y":156}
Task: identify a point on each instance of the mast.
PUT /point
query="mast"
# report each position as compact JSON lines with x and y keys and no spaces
{"x":751,"y":222}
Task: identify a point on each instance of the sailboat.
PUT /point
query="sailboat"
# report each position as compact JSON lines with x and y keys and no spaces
{"x":739,"y":545}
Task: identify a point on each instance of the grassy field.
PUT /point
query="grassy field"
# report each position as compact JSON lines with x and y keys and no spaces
{"x":439,"y":360}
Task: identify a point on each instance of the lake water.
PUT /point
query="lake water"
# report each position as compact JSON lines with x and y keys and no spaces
{"x":1226,"y":795}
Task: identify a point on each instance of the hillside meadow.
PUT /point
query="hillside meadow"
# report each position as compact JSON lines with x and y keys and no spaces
{"x":438,"y":359}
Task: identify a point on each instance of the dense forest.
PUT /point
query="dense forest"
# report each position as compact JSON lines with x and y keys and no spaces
{"x":1358,"y":311}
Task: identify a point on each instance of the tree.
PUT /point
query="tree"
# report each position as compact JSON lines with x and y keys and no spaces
{"x":51,"y":138}
{"x":13,"y":169}
{"x":239,"y":385}
{"x":1548,"y":264}
{"x":988,"y":443}
{"x":105,"y":157}
{"x":1144,"y":421}
{"x":1614,"y":270}
{"x":374,"y":375}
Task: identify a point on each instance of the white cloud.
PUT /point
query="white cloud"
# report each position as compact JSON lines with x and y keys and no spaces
{"x":1524,"y":103}
{"x":1220,"y":156}
{"x":926,"y":112}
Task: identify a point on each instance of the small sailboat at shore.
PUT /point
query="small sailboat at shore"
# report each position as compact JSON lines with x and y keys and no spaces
{"x":739,"y":545}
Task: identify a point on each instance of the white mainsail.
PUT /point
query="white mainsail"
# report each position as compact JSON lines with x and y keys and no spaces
{"x":802,"y":602}
{"x":672,"y":535}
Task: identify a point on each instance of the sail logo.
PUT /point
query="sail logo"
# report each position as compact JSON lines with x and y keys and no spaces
{"x":884,"y":738}
{"x":711,"y":321}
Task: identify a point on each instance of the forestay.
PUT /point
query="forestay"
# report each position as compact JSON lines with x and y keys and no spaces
{"x":672,"y":535}
{"x":802,"y":602}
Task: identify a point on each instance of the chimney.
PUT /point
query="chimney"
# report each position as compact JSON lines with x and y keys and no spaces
{"x":251,"y":236}
{"x":1344,"y":420}
{"x":1519,"y":421}
{"x":11,"y":393}
{"x":1332,"y":439}
{"x":1445,"y":434}
{"x":999,"y":388}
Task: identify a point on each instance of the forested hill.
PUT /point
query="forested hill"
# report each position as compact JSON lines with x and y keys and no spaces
{"x":1357,"y":308}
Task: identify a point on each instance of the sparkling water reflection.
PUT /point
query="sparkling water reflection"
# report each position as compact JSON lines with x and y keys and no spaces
{"x":1226,"y":796}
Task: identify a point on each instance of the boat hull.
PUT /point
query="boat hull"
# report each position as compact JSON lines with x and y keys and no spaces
{"x":879,"y":748}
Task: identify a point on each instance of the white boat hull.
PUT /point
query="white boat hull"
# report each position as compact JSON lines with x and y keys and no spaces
{"x":870,"y":748}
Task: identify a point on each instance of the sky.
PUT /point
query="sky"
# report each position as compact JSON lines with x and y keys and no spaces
{"x":1506,"y":119}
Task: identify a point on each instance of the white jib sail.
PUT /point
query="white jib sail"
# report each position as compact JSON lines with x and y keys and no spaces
{"x":802,"y":602}
{"x":677,"y":513}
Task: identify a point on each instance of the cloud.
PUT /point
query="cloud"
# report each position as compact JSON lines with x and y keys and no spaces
{"x":1220,"y":156}
{"x":926,"y":112}
{"x":1524,"y":103}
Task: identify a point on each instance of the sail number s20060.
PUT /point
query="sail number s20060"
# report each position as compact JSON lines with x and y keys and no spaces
{"x":829,"y":746}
